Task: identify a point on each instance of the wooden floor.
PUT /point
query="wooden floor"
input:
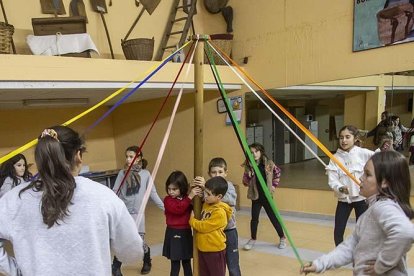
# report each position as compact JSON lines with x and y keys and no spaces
{"x":312,"y":237}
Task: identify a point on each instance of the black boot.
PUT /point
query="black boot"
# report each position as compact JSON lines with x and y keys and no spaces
{"x":116,"y":267}
{"x":146,"y":267}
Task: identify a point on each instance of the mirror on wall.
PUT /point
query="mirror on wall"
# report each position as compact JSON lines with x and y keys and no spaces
{"x":324,"y":108}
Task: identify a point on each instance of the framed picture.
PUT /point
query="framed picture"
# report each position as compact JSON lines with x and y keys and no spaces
{"x":379,"y":23}
{"x":236,"y":103}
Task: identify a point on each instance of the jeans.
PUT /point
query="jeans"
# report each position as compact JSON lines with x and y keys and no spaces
{"x":232,"y":252}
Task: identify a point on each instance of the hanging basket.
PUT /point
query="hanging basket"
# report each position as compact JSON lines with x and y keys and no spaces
{"x":138,"y":48}
{"x":6,"y":34}
{"x":223,"y":42}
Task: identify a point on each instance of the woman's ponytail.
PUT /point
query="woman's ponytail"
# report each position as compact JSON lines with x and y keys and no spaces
{"x":55,"y":159}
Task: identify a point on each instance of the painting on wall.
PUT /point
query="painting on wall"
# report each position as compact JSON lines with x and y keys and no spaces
{"x":379,"y":23}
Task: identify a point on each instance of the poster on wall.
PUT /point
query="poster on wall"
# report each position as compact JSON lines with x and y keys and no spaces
{"x":237,"y":105}
{"x":379,"y":23}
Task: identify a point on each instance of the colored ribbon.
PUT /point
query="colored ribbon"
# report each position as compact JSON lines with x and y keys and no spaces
{"x":153,"y":123}
{"x":141,"y":211}
{"x":291,"y":117}
{"x":271,"y":110}
{"x":116,"y":93}
{"x":246,"y":149}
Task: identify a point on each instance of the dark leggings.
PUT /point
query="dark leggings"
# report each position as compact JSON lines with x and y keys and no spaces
{"x":343,"y":210}
{"x":175,"y":268}
{"x":256,"y":207}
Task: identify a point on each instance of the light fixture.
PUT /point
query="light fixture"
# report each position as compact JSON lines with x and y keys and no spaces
{"x":55,"y":102}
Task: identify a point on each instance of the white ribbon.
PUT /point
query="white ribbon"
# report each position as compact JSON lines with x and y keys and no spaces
{"x":144,"y":202}
{"x":268,"y":107}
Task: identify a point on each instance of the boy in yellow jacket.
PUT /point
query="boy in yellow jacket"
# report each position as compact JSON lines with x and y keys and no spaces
{"x":210,"y":237}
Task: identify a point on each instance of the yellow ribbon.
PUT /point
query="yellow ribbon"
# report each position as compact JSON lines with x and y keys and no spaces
{"x":116,"y":93}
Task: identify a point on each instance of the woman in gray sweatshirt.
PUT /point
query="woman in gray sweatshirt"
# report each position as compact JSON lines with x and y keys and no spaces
{"x":62,"y":223}
{"x":132,"y":193}
{"x":384,"y":233}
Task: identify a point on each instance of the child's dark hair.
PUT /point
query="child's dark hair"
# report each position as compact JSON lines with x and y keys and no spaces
{"x":55,"y":156}
{"x":392,"y":167}
{"x":135,"y":149}
{"x":7,"y":170}
{"x":352,"y":129}
{"x":394,"y":119}
{"x":259,"y":147}
{"x":217,"y":162}
{"x":178,"y":179}
{"x":217,"y":185}
{"x":144,"y":163}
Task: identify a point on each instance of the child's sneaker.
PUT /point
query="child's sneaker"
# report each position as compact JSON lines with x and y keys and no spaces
{"x":282,"y":243}
{"x":249,"y":245}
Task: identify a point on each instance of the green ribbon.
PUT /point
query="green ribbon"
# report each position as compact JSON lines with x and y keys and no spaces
{"x":246,"y":150}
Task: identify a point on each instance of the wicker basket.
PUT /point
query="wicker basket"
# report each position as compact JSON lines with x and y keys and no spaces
{"x":138,"y":49}
{"x":6,"y":34}
{"x":223,"y":42}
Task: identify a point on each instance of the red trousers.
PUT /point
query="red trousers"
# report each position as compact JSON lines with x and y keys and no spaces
{"x":212,"y":263}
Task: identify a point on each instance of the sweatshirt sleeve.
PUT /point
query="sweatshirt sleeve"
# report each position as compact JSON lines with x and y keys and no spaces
{"x":372,"y":132}
{"x":118,"y":181}
{"x":231,"y":196}
{"x":177,"y":207}
{"x":277,"y":172}
{"x":340,"y":256}
{"x":407,"y":129}
{"x":217,"y":220}
{"x":154,"y":195}
{"x":7,"y":186}
{"x":399,"y":232}
{"x":8,"y":265}
{"x":126,"y":244}
{"x":333,"y":177}
{"x":247,"y":176}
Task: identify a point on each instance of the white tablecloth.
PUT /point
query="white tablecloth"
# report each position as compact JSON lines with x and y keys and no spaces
{"x":53,"y":45}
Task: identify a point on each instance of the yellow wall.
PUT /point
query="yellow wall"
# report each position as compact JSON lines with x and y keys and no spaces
{"x":119,"y":19}
{"x":294,"y":42}
{"x":354,"y":109}
{"x":132,"y":121}
{"x":288,"y":42}
{"x":21,"y":126}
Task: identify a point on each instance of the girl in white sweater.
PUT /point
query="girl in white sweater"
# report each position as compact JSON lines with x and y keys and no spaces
{"x":347,"y":191}
{"x":384,"y":233}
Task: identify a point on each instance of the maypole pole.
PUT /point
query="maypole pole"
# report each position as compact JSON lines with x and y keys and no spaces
{"x":198,"y":128}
